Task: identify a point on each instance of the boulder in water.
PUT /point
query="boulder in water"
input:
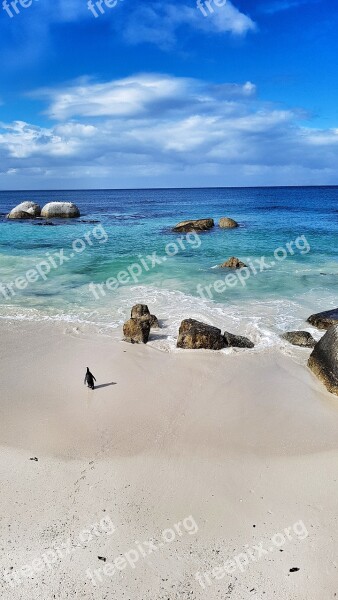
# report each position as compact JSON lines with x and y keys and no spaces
{"x":60,"y":210}
{"x":227,"y":223}
{"x":233,"y":263}
{"x":194,"y":225}
{"x":237,"y":341}
{"x":300,"y":338}
{"x":324,"y":320}
{"x":136,"y":331}
{"x":25,"y":208}
{"x":141,"y":311}
{"x":196,"y":335}
{"x":324,"y":360}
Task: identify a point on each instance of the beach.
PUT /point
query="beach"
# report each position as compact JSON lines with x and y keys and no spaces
{"x":240,"y":448}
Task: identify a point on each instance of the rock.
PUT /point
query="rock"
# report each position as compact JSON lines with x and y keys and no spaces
{"x":20,"y":214}
{"x":227,"y":223}
{"x":141,"y":311}
{"x":154,"y":324}
{"x":233,"y":263}
{"x":61,"y":210}
{"x":194,"y":335}
{"x":323,"y":360}
{"x":237,"y":341}
{"x":197,"y":225}
{"x":136,"y":331}
{"x":31,"y":208}
{"x":324,"y":320}
{"x":300,"y":338}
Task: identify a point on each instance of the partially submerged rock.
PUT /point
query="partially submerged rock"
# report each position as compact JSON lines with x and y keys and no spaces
{"x":196,"y":335}
{"x":324,"y":320}
{"x":237,"y":341}
{"x":25,"y":208}
{"x":60,"y":210}
{"x":136,"y":331}
{"x":324,"y":360}
{"x":233,"y":263}
{"x":227,"y":223}
{"x":20,"y":214}
{"x":194,"y":225}
{"x":300,"y":338}
{"x":141,"y":311}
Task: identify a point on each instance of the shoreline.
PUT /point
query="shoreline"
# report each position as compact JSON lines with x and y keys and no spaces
{"x":247,"y":448}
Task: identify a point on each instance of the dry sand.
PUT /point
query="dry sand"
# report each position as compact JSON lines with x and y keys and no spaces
{"x":245,"y":444}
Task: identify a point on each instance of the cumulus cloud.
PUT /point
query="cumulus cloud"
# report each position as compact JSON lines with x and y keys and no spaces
{"x":159,"y":23}
{"x":153,"y":129}
{"x":139,"y":96}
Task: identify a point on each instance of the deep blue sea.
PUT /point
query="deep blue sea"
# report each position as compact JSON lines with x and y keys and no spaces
{"x":125,"y":237}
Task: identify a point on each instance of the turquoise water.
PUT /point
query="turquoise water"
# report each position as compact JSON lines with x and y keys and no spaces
{"x":124,"y":227}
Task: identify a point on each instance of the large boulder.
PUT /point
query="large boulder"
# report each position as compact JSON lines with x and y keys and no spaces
{"x":141,"y":311}
{"x":227,"y":223}
{"x":20,"y":214}
{"x":136,"y":331}
{"x":25,"y":208}
{"x":60,"y":210}
{"x":300,"y":338}
{"x":196,"y":225}
{"x":324,"y":359}
{"x":196,"y":335}
{"x":233,"y":263}
{"x":324,"y":320}
{"x":237,"y":341}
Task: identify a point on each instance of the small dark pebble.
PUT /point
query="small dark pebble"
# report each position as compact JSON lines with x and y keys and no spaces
{"x":294,"y":569}
{"x":102,"y":558}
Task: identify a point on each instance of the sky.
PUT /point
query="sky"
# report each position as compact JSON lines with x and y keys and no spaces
{"x":142,"y":94}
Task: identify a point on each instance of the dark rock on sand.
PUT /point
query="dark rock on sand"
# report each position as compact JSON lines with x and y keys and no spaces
{"x":60,"y":210}
{"x":196,"y":335}
{"x":227,"y":223}
{"x":141,"y":311}
{"x":237,"y":341}
{"x":196,"y":225}
{"x":300,"y":338}
{"x":324,"y":360}
{"x":136,"y":331}
{"x":233,"y":263}
{"x":25,"y":210}
{"x":324,"y":320}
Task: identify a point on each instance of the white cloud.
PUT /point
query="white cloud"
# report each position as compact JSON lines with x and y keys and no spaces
{"x":159,"y":23}
{"x":162,"y":130}
{"x":138,"y":96}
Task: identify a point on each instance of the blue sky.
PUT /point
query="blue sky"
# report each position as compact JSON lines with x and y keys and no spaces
{"x":167,"y":94}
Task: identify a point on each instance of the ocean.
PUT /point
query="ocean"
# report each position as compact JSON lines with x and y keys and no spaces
{"x":122,"y":251}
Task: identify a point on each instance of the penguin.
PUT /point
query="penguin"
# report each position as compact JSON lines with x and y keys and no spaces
{"x":89,"y":379}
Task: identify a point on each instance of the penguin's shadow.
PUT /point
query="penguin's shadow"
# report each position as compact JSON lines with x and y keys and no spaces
{"x":103,"y":385}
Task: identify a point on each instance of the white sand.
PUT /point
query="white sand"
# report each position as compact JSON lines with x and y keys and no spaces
{"x":234,"y":441}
